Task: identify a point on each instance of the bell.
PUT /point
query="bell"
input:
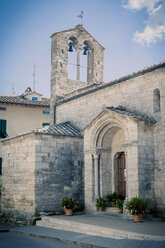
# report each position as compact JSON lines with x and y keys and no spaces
{"x":85,"y":50}
{"x":70,"y":49}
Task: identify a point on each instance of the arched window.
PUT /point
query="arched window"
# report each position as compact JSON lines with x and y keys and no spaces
{"x":156,"y":100}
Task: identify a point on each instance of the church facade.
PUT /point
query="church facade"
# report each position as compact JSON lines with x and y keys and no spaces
{"x":103,"y":137}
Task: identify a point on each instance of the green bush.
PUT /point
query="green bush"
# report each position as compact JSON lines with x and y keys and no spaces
{"x":136,"y":206}
{"x":112,"y":197}
{"x":68,"y":203}
{"x":119,"y":203}
{"x":101,"y":202}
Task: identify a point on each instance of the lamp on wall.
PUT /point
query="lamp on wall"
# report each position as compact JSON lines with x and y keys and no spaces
{"x":70,"y":49}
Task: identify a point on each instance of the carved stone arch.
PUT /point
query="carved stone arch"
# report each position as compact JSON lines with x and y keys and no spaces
{"x":102,"y":125}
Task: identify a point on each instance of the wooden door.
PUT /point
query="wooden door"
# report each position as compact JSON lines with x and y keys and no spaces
{"x":122,"y":175}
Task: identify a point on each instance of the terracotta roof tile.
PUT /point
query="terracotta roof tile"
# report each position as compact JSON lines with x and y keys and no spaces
{"x":22,"y":100}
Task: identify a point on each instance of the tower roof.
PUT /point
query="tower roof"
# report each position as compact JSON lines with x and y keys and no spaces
{"x":78,"y":27}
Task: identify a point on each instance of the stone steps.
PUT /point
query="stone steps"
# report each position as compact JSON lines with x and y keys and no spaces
{"x":67,"y":225}
{"x":110,"y":211}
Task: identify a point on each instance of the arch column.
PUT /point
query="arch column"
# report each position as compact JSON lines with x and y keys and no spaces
{"x":89,"y":180}
{"x":97,"y":175}
{"x":78,"y":64}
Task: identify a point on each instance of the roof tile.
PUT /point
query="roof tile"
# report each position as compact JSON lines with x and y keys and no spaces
{"x":62,"y":129}
{"x":22,"y":100}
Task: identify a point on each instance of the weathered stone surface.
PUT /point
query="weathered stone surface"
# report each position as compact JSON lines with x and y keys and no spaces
{"x":119,"y":117}
{"x":41,"y":179}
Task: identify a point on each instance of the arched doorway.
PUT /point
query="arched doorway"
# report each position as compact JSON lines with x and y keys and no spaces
{"x":111,"y":157}
{"x":111,"y":160}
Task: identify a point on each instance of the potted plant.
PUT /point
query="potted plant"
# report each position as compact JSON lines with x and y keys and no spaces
{"x":137,"y":207}
{"x":69,"y":205}
{"x":101,"y":203}
{"x":119,"y":205}
{"x":111,"y":199}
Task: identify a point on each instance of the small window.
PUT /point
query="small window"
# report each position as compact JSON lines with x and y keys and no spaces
{"x":46,"y":112}
{"x":34,"y":98}
{"x":3,"y":133}
{"x":156,"y":100}
{"x":98,"y":62}
{"x":0,"y":166}
{"x":62,"y":51}
{"x":45,"y":124}
{"x":2,"y":109}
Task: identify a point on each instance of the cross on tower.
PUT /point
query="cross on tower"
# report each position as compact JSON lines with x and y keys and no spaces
{"x":81,"y":16}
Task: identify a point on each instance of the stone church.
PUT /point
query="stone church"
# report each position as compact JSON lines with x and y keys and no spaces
{"x":103,"y":137}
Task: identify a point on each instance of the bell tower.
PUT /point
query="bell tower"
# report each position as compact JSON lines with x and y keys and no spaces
{"x":64,"y":42}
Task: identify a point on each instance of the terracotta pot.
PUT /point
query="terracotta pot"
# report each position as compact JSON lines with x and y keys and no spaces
{"x":100,"y":208}
{"x":112,"y":204}
{"x":120,"y":210}
{"x":69,"y":212}
{"x":138,"y":218}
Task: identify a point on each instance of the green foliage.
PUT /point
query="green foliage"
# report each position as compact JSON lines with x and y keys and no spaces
{"x":136,"y":206}
{"x":101,"y":202}
{"x":68,"y":203}
{"x":36,"y":213}
{"x":112,"y":197}
{"x":119,"y":203}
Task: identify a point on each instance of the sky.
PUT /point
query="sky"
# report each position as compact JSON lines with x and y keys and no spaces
{"x":132,"y":32}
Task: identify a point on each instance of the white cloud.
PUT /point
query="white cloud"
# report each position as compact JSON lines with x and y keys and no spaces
{"x":154,"y":30}
{"x":140,"y":4}
{"x":155,"y":10}
{"x":150,"y":35}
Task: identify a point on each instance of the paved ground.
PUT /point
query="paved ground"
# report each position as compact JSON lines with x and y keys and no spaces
{"x":83,"y":240}
{"x":13,"y":240}
{"x":150,"y":227}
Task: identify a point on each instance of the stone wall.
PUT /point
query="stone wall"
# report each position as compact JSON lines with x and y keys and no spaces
{"x":18,"y":178}
{"x":135,"y":93}
{"x":38,"y":171}
{"x":146,"y":160}
{"x":59,"y":171}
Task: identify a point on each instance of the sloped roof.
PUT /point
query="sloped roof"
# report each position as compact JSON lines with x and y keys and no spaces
{"x":22,"y":100}
{"x":134,"y":114}
{"x":79,"y":26}
{"x":89,"y":89}
{"x":62,"y":129}
{"x":124,"y":111}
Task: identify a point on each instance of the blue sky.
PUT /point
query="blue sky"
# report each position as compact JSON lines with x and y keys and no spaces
{"x":132,"y":32}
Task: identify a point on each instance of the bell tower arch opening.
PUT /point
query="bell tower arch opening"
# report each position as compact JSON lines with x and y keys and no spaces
{"x":87,"y":62}
{"x":72,"y":58}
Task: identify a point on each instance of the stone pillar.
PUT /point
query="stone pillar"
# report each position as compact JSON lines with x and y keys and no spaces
{"x":78,"y":64}
{"x":132,"y":177}
{"x":89,"y":181}
{"x":96,"y":162}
